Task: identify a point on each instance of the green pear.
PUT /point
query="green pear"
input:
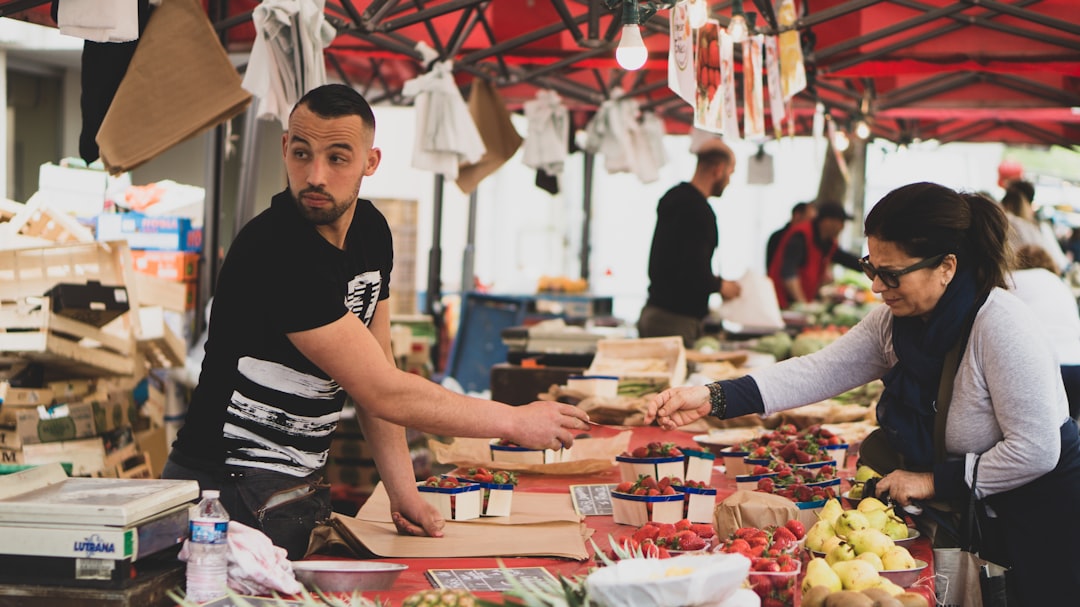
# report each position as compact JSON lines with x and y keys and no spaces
{"x":869,"y":540}
{"x":855,"y":492}
{"x":873,"y":559}
{"x":831,"y":511}
{"x":819,"y":573}
{"x":856,"y":574}
{"x":842,"y":552}
{"x":889,"y":586}
{"x":865,"y":473}
{"x":897,"y":558}
{"x":818,"y":533}
{"x":868,"y":504}
{"x":896,"y":528}
{"x":848,"y":521}
{"x":877,"y":518}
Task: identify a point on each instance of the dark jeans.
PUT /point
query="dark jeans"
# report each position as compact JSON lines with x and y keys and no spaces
{"x":286,"y":508}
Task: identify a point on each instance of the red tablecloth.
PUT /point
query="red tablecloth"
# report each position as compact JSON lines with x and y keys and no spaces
{"x":413,"y":579}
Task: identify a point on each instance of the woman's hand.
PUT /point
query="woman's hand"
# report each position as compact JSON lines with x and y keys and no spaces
{"x":676,"y":407}
{"x":903,"y":486}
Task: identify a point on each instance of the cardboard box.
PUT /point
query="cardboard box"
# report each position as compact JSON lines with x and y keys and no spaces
{"x":152,"y":442}
{"x":648,"y":358}
{"x":24,"y":396}
{"x":162,"y":233}
{"x":179,"y":266}
{"x":54,"y":424}
{"x":11,"y":456}
{"x":86,"y":456}
{"x":9,"y":438}
{"x":175,"y":296}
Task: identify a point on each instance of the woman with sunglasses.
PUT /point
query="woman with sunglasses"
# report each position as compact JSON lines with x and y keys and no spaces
{"x":938,"y":259}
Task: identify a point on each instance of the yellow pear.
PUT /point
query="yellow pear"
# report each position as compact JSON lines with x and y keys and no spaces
{"x":841,"y":552}
{"x":889,"y":586}
{"x":819,"y":573}
{"x":897,"y":558}
{"x":873,"y":559}
{"x":856,"y":574}
{"x":831,"y":511}
{"x":868,"y":504}
{"x":865,"y":473}
{"x":869,"y":540}
{"x":848,"y":521}
{"x":831,"y":542}
{"x":877,"y":518}
{"x":896,"y":528}
{"x":817,"y":534}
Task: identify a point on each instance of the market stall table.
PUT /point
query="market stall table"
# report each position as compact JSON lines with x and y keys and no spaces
{"x":414,"y":578}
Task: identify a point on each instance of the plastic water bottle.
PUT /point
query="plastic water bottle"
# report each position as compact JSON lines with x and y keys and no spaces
{"x":208,"y":563}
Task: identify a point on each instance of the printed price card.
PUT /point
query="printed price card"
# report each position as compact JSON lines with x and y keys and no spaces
{"x":592,"y":500}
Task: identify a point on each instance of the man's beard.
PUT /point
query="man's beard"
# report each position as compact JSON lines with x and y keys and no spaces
{"x":326,"y":215}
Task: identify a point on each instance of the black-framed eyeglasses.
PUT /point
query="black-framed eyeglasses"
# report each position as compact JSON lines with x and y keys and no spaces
{"x":891,"y":278}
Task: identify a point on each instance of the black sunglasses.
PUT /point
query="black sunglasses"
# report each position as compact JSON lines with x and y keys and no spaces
{"x":891,"y":278}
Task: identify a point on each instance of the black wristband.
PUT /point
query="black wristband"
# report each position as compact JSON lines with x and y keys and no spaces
{"x":717,"y":400}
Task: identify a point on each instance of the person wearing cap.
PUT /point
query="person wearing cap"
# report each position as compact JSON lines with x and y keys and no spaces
{"x":807,"y":252}
{"x":681,"y":277}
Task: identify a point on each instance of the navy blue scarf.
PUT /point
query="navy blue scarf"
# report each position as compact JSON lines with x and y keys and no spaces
{"x":907,"y":405}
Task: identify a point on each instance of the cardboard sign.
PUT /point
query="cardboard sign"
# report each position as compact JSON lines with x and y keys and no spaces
{"x":592,"y":500}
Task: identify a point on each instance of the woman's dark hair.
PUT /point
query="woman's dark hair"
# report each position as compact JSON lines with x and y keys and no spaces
{"x":337,"y":100}
{"x":927,"y":219}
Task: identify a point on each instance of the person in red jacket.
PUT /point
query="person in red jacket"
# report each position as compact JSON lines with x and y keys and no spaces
{"x":807,"y":251}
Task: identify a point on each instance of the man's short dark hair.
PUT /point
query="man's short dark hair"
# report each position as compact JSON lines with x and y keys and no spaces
{"x":800,"y":207}
{"x":337,"y":100}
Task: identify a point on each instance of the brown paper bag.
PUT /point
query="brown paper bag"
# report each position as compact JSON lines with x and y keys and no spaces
{"x":752,"y":509}
{"x":180,"y":82}
{"x":500,"y":137}
{"x":588,"y":455}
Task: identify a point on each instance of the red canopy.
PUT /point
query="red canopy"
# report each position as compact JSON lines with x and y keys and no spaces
{"x":970,"y":70}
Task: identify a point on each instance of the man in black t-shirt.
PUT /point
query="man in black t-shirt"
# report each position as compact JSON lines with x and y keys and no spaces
{"x":681,"y":277}
{"x":298,"y":323}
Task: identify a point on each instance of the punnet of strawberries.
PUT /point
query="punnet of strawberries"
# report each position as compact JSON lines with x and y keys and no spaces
{"x":789,"y":444}
{"x":445,"y":482}
{"x":486,"y":475}
{"x":659,"y":540}
{"x":647,"y":485}
{"x":654,"y":449}
{"x":776,"y":558}
{"x":798,"y":491}
{"x":786,"y":475}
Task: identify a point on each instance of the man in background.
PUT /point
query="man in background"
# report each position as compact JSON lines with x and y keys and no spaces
{"x":802,"y":211}
{"x":681,"y":277}
{"x":806,"y":253}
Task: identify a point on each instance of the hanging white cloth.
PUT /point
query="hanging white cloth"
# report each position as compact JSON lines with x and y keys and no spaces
{"x":99,"y":20}
{"x":654,"y":156}
{"x":446,"y":135}
{"x":548,"y":141}
{"x":616,"y":133}
{"x":287,"y":54}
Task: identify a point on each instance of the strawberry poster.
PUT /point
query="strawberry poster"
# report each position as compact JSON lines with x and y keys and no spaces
{"x":681,"y":53}
{"x":753,"y":97}
{"x":709,"y":102}
{"x":727,"y":77}
{"x":792,"y":70}
{"x":776,"y":93}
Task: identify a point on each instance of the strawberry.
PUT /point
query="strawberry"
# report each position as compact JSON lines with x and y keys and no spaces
{"x":796,"y":528}
{"x":745,"y":532}
{"x":640,"y":452}
{"x":646,"y":532}
{"x":683,"y":524}
{"x":759,"y":469}
{"x":688,"y":540}
{"x":667,"y":530}
{"x":624,"y":487}
{"x":765,"y":485}
{"x":704,"y":530}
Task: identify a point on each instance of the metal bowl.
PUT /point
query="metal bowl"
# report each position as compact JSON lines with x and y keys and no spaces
{"x":347,"y":576}
{"x":904,"y":577}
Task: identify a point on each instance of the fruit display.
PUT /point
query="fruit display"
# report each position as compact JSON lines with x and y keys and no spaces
{"x":454,"y":498}
{"x":654,"y":459}
{"x":654,"y":449}
{"x":662,"y":540}
{"x":775,"y":560}
{"x":647,"y":485}
{"x":647,"y":499}
{"x":498,"y":488}
{"x":862,"y":474}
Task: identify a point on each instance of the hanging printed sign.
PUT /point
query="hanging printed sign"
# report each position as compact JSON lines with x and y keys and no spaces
{"x":792,"y":70}
{"x":753,"y":99}
{"x":776,"y":93}
{"x":681,"y":54}
{"x":727,"y":77}
{"x":709,"y":101}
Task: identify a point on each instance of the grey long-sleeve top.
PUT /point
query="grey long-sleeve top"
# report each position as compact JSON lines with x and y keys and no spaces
{"x":1008,"y":400}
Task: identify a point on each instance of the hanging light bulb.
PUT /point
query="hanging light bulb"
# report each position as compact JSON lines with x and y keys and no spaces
{"x":840,"y":141}
{"x":699,"y":13}
{"x":631,"y":53}
{"x":862,"y":129}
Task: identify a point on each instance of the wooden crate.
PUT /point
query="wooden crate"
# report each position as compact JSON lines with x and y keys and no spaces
{"x":29,"y":329}
{"x":157,"y":342}
{"x":42,"y":221}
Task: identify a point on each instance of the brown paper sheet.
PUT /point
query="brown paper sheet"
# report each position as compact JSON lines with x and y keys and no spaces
{"x":180,"y":82}
{"x":501,"y":139}
{"x":560,"y":532}
{"x":589,"y":455}
{"x":752,"y":509}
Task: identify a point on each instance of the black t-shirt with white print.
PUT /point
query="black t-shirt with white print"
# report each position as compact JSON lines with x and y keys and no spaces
{"x":260,"y":403}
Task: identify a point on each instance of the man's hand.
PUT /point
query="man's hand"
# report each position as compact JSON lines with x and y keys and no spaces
{"x":903,"y":486}
{"x":417,"y":517}
{"x":676,"y":407}
{"x":730,"y":289}
{"x":547,"y":425}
